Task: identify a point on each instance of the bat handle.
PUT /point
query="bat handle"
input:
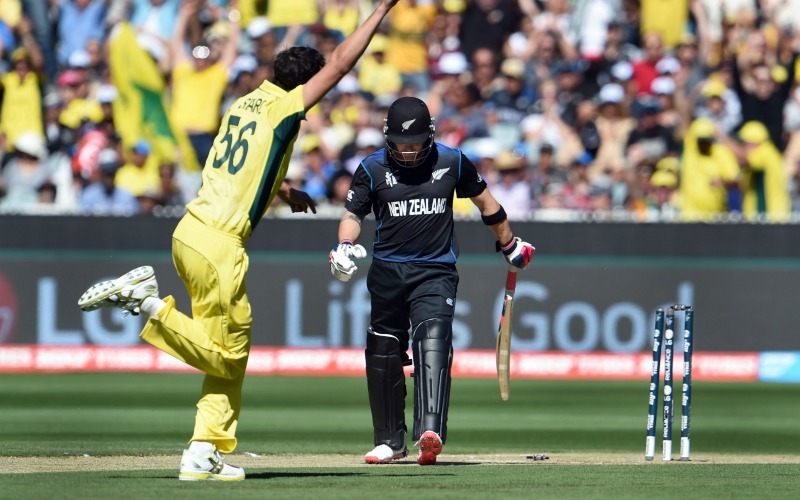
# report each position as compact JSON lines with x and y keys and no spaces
{"x":511,"y":280}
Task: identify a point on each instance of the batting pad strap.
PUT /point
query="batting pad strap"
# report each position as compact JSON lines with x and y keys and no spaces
{"x":495,"y":218}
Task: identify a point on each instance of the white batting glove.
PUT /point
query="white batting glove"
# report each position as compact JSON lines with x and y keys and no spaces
{"x":342,"y":267}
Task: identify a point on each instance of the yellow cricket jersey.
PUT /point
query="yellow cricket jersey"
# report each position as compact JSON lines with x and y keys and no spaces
{"x":196,"y":96}
{"x":22,"y":106}
{"x":666,"y":17}
{"x":408,"y":27}
{"x":249,"y":159}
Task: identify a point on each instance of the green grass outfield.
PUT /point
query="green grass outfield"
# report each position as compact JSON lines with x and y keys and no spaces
{"x":304,"y":438}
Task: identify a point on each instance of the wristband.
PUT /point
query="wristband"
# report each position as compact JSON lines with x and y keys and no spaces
{"x":495,"y":218}
{"x":506,"y":248}
{"x":345,"y":242}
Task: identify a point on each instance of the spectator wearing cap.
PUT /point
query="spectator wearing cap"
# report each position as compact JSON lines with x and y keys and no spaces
{"x":102,"y":196}
{"x":262,"y":38}
{"x":241,"y":80}
{"x":79,"y":107}
{"x":22,"y":99}
{"x":55,"y":133}
{"x":318,"y":170}
{"x":576,"y":191}
{"x":106,"y":95}
{"x":81,"y":62}
{"x":664,"y":89}
{"x":139,"y":175}
{"x":78,"y":22}
{"x":663,"y":199}
{"x":650,"y":140}
{"x":573,"y":89}
{"x":544,"y":175}
{"x":515,"y":99}
{"x":719,"y":104}
{"x":409,"y":23}
{"x":511,"y":189}
{"x":614,"y":125}
{"x":199,"y":81}
{"x":368,"y":140}
{"x":645,"y":69}
{"x":25,"y":171}
{"x":765,"y":186}
{"x":446,"y":76}
{"x":709,"y":175}
{"x":375,"y":75}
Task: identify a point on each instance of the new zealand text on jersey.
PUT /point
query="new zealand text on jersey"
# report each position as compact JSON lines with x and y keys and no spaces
{"x":417,"y":206}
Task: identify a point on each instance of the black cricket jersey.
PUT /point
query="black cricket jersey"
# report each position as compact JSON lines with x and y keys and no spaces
{"x":413,"y":206}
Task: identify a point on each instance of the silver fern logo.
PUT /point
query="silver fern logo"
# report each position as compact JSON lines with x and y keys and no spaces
{"x":407,"y":124}
{"x":438,"y":174}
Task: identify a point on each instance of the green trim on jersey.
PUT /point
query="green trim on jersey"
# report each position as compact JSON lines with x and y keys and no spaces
{"x":289,"y":127}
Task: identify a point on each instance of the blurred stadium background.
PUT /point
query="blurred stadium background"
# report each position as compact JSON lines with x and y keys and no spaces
{"x":649,"y":149}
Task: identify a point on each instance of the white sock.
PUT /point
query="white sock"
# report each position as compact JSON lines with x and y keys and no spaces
{"x":151,"y":306}
{"x":201,"y":448}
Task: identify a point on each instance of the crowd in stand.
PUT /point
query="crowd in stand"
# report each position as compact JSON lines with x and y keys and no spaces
{"x":642,"y":109}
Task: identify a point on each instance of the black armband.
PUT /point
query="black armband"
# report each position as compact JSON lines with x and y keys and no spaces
{"x":495,"y":218}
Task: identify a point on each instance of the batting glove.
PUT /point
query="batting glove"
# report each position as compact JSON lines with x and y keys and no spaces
{"x":518,"y":253}
{"x":342,"y":267}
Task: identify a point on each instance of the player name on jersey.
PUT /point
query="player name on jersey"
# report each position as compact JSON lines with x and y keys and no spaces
{"x":417,"y":206}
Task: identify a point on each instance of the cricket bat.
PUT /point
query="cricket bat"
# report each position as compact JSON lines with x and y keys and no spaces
{"x":504,"y":334}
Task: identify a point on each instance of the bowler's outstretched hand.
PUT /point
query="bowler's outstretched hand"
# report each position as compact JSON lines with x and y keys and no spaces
{"x":299,"y":201}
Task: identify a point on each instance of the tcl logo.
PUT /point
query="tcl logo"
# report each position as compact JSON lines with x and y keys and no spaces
{"x":8,"y":310}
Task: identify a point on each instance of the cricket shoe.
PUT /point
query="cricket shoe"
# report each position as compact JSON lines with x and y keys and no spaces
{"x":383,"y":454}
{"x":127,"y":291}
{"x":208,"y":467}
{"x":430,"y":445}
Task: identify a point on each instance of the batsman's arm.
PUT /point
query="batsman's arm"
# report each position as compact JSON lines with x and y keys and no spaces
{"x":349,"y":227}
{"x":488,"y":206}
{"x":345,"y":56}
{"x":517,"y":253}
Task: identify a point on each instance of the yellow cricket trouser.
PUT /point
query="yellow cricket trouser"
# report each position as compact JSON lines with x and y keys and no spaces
{"x":216,"y":340}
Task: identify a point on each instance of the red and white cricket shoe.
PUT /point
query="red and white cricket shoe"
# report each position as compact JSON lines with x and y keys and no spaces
{"x":430,"y":445}
{"x":383,"y":454}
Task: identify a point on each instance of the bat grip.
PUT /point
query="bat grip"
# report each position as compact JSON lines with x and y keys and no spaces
{"x":511,"y":280}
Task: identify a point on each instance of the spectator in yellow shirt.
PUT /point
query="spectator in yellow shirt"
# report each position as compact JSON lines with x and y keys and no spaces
{"x":136,"y":176}
{"x":409,"y":24}
{"x":22,"y":99}
{"x":376,"y":76}
{"x":765,"y":186}
{"x":199,"y":81}
{"x":709,"y":171}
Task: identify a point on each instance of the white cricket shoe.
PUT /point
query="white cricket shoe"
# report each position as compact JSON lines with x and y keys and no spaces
{"x":126,"y":292}
{"x":430,"y":445}
{"x":208,"y":467}
{"x":383,"y":454}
